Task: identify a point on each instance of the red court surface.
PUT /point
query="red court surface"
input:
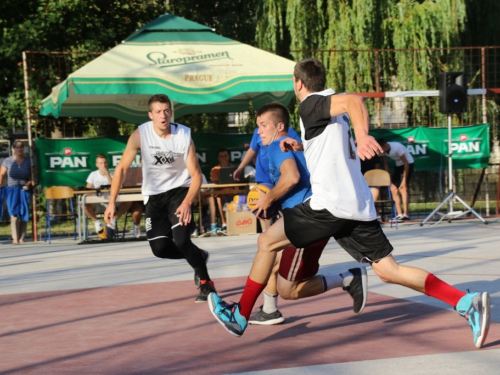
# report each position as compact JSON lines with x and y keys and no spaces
{"x":158,"y":329}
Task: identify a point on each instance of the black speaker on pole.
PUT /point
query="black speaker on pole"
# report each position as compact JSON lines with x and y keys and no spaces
{"x":452,"y":92}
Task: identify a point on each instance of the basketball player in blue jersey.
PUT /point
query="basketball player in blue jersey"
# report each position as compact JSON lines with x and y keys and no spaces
{"x":171,"y":181}
{"x":341,"y":205}
{"x":296,"y":268}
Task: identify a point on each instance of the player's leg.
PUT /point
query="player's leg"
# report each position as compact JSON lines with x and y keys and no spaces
{"x":234,"y":317}
{"x":269,"y":313}
{"x":181,"y":235}
{"x":265,"y":224}
{"x":298,"y":276}
{"x":156,"y":223}
{"x":475,"y":307}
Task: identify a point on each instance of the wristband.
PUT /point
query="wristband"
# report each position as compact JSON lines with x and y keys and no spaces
{"x":187,"y":204}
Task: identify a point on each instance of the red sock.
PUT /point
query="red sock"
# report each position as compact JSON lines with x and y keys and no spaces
{"x":250,"y":294}
{"x":437,"y":288}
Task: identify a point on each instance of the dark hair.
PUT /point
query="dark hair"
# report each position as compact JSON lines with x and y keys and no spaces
{"x":312,"y":73}
{"x":101,"y":156}
{"x":279,"y":112}
{"x":17,"y":143}
{"x":222,"y":150}
{"x":159,"y":98}
{"x":381,"y":142}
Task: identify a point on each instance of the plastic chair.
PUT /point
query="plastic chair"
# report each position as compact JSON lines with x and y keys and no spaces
{"x":61,"y":194}
{"x":380,"y":178}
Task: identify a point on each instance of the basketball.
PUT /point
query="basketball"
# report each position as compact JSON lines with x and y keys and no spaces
{"x":254,"y":195}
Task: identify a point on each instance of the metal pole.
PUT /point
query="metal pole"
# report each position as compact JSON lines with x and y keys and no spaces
{"x":34,"y":237}
{"x":483,"y":81}
{"x":377,"y":88}
{"x":450,"y":165}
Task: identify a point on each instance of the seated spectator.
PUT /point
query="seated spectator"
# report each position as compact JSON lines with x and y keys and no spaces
{"x":223,"y":157}
{"x":96,"y":179}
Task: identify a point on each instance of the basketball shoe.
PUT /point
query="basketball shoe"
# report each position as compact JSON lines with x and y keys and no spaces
{"x":228,"y":315}
{"x":265,"y":319}
{"x":206,"y":287}
{"x":475,"y":307}
{"x":358,"y":288}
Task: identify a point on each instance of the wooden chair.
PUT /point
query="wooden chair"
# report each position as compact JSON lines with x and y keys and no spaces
{"x":59,"y":195}
{"x":380,"y":178}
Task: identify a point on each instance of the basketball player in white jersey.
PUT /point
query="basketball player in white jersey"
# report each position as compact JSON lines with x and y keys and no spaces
{"x":171,"y":181}
{"x":341,"y":205}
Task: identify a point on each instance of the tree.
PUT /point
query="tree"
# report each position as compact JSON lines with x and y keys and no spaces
{"x":59,"y":25}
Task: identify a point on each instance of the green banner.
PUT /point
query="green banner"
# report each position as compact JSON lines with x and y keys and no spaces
{"x":68,"y":162}
{"x":429,"y":146}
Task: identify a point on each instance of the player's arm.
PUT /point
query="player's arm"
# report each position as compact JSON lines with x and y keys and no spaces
{"x":133,"y":146}
{"x":290,"y":176}
{"x":355,"y":107}
{"x":184,"y":210}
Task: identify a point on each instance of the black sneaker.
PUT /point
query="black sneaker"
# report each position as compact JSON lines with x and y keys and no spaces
{"x":265,"y":319}
{"x":358,"y":288}
{"x":206,"y":287}
{"x":206,"y":255}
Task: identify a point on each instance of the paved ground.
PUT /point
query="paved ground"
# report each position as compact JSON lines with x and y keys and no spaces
{"x":115,"y":309}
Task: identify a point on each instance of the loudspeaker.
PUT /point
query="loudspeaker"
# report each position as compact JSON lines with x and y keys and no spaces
{"x":452,"y":92}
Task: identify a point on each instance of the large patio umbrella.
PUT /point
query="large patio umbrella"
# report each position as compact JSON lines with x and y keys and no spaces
{"x":200,"y":71}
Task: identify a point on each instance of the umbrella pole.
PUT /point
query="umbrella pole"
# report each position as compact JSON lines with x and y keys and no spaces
{"x":34,"y":236}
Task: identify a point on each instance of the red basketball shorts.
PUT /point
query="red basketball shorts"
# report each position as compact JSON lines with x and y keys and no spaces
{"x":303,"y":263}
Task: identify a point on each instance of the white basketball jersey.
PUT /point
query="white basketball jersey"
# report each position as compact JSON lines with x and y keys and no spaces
{"x":336,"y":179}
{"x":164,"y":160}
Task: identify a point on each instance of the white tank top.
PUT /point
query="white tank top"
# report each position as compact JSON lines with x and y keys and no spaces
{"x":336,"y":180}
{"x":164,"y":160}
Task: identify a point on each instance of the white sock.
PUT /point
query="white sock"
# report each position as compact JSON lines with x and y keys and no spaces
{"x":347,"y":278}
{"x":331,"y":281}
{"x":270,"y":303}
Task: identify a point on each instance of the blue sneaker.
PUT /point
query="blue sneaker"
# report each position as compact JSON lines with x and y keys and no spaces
{"x":475,"y":307}
{"x":227,"y":314}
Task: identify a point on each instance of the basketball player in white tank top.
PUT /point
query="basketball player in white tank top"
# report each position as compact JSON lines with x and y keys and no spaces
{"x":341,"y":206}
{"x":171,"y":181}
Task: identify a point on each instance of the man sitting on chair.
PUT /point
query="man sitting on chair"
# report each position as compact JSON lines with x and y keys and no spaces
{"x":96,"y":179}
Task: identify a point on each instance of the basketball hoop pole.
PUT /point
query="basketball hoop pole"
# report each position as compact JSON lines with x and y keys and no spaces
{"x":452,"y":195}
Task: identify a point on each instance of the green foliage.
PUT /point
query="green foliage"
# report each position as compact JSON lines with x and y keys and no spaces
{"x":232,"y":19}
{"x":59,"y":25}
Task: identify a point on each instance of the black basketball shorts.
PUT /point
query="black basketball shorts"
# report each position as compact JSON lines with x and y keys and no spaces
{"x":363,"y":240}
{"x":160,"y":213}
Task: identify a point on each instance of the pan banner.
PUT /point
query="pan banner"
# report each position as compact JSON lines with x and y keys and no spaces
{"x":68,"y":161}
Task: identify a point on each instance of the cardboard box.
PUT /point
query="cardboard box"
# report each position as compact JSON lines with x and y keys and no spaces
{"x":243,"y":222}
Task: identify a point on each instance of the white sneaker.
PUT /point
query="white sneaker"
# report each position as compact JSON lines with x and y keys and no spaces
{"x":98,"y":226}
{"x":112,"y":225}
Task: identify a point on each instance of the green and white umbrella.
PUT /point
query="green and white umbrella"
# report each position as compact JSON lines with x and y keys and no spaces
{"x":200,"y":71}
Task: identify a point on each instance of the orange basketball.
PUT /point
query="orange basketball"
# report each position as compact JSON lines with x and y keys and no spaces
{"x":254,"y":195}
